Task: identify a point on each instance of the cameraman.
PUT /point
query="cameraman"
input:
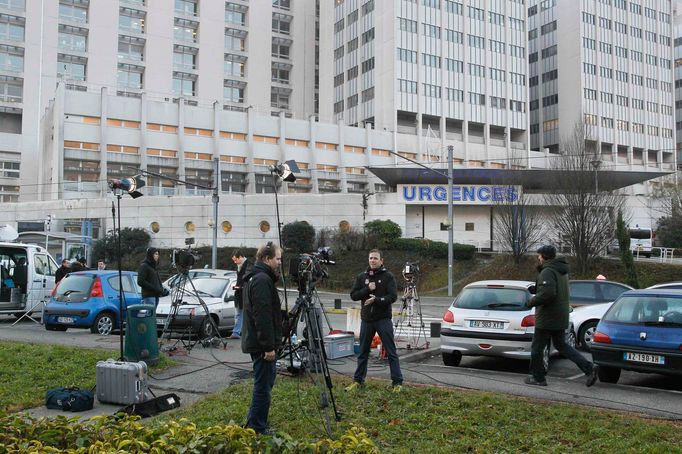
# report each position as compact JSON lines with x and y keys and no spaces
{"x":377,"y":290}
{"x":262,"y":331}
{"x":148,"y":278}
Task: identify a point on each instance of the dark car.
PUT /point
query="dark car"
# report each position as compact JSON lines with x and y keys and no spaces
{"x":642,"y":331}
{"x":90,"y":299}
{"x":584,"y":292}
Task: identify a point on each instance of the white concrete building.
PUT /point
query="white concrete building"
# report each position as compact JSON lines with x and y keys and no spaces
{"x":677,"y":40}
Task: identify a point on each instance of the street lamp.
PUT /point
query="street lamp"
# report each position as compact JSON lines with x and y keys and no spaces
{"x":595,"y":164}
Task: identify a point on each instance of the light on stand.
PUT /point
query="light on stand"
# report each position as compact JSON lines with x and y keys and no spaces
{"x":285,"y":171}
{"x":129,"y":185}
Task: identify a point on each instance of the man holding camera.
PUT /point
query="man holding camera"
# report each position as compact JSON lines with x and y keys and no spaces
{"x":377,"y":291}
{"x":262,"y":331}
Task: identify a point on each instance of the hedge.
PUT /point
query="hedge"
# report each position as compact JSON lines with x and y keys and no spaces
{"x":433,"y":249}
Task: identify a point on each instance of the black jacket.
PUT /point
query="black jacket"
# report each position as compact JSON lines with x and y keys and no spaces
{"x":386,"y":293}
{"x":239,"y":286}
{"x":61,"y":273}
{"x":148,"y":277}
{"x":262,"y":327}
{"x":552,"y":295}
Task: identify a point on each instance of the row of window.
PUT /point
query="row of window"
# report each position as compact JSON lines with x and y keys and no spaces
{"x":622,"y":76}
{"x":620,"y":27}
{"x":623,"y":125}
{"x":352,"y":101}
{"x":452,"y":94}
{"x":630,"y":54}
{"x":624,"y":101}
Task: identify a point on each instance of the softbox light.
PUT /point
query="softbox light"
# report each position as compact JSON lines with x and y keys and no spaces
{"x":129,"y":185}
{"x":286,"y":170}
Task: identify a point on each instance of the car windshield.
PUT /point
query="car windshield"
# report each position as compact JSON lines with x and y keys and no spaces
{"x":74,"y":283}
{"x":506,"y":299}
{"x":647,"y":310}
{"x":210,"y":287}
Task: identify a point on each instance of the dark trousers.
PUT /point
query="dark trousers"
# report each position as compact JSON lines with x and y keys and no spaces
{"x":264,"y":373}
{"x":384,"y":328}
{"x":558,"y":337}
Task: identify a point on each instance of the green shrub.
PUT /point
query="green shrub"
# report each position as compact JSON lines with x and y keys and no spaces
{"x":381,"y":234}
{"x":433,"y":249}
{"x":23,"y":433}
{"x":298,"y":236}
{"x":133,"y":241}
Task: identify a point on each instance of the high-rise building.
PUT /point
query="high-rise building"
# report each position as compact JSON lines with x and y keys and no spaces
{"x":608,"y":64}
{"x":235,"y":53}
{"x":677,"y":40}
{"x":436,"y":72}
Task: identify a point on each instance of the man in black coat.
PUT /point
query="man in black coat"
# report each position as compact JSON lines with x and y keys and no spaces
{"x":243,"y":268}
{"x":376,"y":289}
{"x":262,"y":331}
{"x":148,"y":278}
{"x":62,"y":271}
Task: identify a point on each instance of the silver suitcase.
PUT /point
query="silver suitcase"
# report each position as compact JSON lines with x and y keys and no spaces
{"x":122,"y":383}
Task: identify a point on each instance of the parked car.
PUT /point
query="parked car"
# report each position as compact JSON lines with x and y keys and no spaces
{"x":584,"y":320}
{"x":489,"y":318}
{"x":199,"y":272}
{"x":218,"y":295}
{"x":668,"y":286}
{"x":584,"y":292}
{"x":641,"y":331}
{"x":90,"y":299}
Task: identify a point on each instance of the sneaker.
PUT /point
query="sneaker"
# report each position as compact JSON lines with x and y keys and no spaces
{"x":354,"y":386}
{"x":530,"y":380}
{"x":592,"y":376}
{"x":235,"y":336}
{"x":397,"y":389}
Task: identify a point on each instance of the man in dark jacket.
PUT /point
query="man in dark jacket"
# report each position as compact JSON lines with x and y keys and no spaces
{"x":243,"y":268}
{"x":551,"y":318}
{"x":148,"y":278}
{"x":262,"y":331}
{"x":62,"y":271}
{"x":376,"y":289}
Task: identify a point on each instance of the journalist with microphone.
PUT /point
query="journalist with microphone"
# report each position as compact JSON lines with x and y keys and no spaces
{"x":262,"y":331}
{"x":376,"y":289}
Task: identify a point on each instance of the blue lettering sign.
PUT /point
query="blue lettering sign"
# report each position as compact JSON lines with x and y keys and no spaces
{"x":468,"y":193}
{"x":484,"y":194}
{"x":512,"y":194}
{"x":456,"y":195}
{"x":409,"y":195}
{"x":440,"y":193}
{"x":424,"y":193}
{"x":498,"y":194}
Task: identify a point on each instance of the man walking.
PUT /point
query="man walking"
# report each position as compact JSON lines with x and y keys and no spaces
{"x":148,"y":278}
{"x":551,"y":318}
{"x":262,"y":331}
{"x":243,"y":268}
{"x":377,"y":291}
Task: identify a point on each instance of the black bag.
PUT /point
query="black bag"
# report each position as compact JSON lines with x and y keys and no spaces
{"x":69,"y":399}
{"x":153,"y":406}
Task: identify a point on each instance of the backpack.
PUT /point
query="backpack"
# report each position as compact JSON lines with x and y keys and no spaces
{"x":69,"y":399}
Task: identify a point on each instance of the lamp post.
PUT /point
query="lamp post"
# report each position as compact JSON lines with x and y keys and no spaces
{"x":449,"y":178}
{"x":595,"y":164}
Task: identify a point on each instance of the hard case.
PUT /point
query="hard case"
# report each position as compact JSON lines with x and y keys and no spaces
{"x":339,"y":345}
{"x":122,"y":383}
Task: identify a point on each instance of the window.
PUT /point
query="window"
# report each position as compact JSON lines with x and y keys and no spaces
{"x":431,"y":60}
{"x":368,"y":65}
{"x":339,"y":25}
{"x":607,"y":122}
{"x":606,"y":72}
{"x":637,"y":103}
{"x":476,"y":13}
{"x":9,"y":169}
{"x":129,"y":76}
{"x":130,"y":48}
{"x":185,"y":30}
{"x":11,"y":58}
{"x":636,"y":55}
{"x":71,"y":67}
{"x":455,"y":95}
{"x":368,"y":36}
{"x":338,"y":107}
{"x":605,"y":23}
{"x":636,"y":32}
{"x":368,"y":94}
{"x":516,"y":24}
{"x":622,"y":100}
{"x":621,"y":76}
{"x":652,"y":130}
{"x":407,"y":55}
{"x":606,"y":97}
{"x":496,"y":19}
{"x":588,"y":18}
{"x":517,"y":106}
{"x":621,"y":52}
{"x":550,"y":75}
{"x":605,"y":48}
{"x":454,"y":65}
{"x":281,"y":23}
{"x":496,"y":46}
{"x":453,"y":7}
{"x":338,"y":52}
{"x":234,"y":65}
{"x":352,"y":73}
{"x":589,"y":68}
{"x":235,"y":39}
{"x":549,"y":51}
{"x":184,"y":58}
{"x":407,"y":86}
{"x":589,"y":43}
{"x":589,"y":93}
{"x":19,"y":5}
{"x":622,"y":125}
{"x":236,"y":14}
{"x":352,"y":45}
{"x":476,"y":99}
{"x":407,"y":25}
{"x":635,"y":8}
{"x":517,"y":51}
{"x":74,"y":11}
{"x":638,"y":128}
{"x":233,"y":90}
{"x":367,"y":7}
{"x":453,"y":36}
{"x":533,"y":81}
{"x":620,"y":27}
{"x":12,"y":28}
{"x":281,"y":50}
{"x":280,"y":73}
{"x":431,"y":30}
{"x":476,"y":41}
{"x":590,"y":119}
{"x":338,"y":79}
{"x":432,"y":91}
{"x":532,"y":57}
{"x":476,"y":70}
{"x":550,"y":125}
{"x":278,"y":100}
{"x":497,"y":74}
{"x":498,"y":103}
{"x":131,"y":20}
{"x":517,"y":79}
{"x":548,"y":28}
{"x":184,"y":84}
{"x":186,"y":7}
{"x":550,"y":100}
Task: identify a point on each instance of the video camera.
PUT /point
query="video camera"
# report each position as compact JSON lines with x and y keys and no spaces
{"x":184,"y":259}
{"x":309,"y":268}
{"x":410,"y":271}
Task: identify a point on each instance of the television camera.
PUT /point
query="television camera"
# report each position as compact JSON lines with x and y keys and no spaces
{"x":184,"y":259}
{"x":308,"y":269}
{"x":410,"y":272}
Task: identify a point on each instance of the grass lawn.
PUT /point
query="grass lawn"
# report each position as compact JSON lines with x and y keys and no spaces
{"x":436,"y":419}
{"x":27,"y":371}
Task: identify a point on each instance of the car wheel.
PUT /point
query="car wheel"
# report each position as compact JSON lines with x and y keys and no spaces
{"x":103,"y":324}
{"x":570,"y":339}
{"x":51,"y":327}
{"x":608,"y":374}
{"x":452,"y":359}
{"x":585,"y":335}
{"x":207,"y":330}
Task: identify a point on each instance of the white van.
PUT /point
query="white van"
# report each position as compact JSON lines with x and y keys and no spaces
{"x":641,"y":241}
{"x":27,"y":277}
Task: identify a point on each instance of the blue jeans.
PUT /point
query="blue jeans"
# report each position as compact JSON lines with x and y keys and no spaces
{"x":558,"y":337}
{"x":151,"y":300}
{"x":264,"y":373}
{"x":384,"y":328}
{"x":238,"y":318}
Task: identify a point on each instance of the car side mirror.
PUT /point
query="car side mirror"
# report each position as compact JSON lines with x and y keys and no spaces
{"x":532,"y":290}
{"x":229,"y":298}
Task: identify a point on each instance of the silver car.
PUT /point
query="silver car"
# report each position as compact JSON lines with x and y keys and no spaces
{"x":218,"y":295}
{"x":489,"y":318}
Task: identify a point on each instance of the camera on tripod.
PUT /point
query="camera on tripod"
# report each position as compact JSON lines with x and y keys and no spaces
{"x":184,"y":259}
{"x":411,"y":271}
{"x":309,"y":268}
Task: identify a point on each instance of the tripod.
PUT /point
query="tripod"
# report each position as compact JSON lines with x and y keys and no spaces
{"x":186,"y":312}
{"x":410,"y":324}
{"x":310,"y":354}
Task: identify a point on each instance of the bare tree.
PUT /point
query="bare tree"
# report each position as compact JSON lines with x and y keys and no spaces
{"x":518,"y":226}
{"x":582,"y":208}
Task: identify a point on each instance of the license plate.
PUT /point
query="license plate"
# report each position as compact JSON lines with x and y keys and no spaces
{"x":644,"y":358}
{"x":486,"y":324}
{"x":65,"y":319}
{"x":161,"y":321}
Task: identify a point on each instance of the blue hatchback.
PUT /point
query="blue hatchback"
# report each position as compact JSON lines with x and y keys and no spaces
{"x":90,"y":299}
{"x":642,"y":331}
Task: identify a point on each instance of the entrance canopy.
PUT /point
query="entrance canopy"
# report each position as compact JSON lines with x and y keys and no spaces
{"x":532,"y":180}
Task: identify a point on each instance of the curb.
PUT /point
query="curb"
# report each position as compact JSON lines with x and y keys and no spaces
{"x":419,"y":355}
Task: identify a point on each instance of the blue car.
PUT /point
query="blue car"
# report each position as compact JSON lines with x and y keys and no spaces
{"x":642,"y":331}
{"x":90,"y":299}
